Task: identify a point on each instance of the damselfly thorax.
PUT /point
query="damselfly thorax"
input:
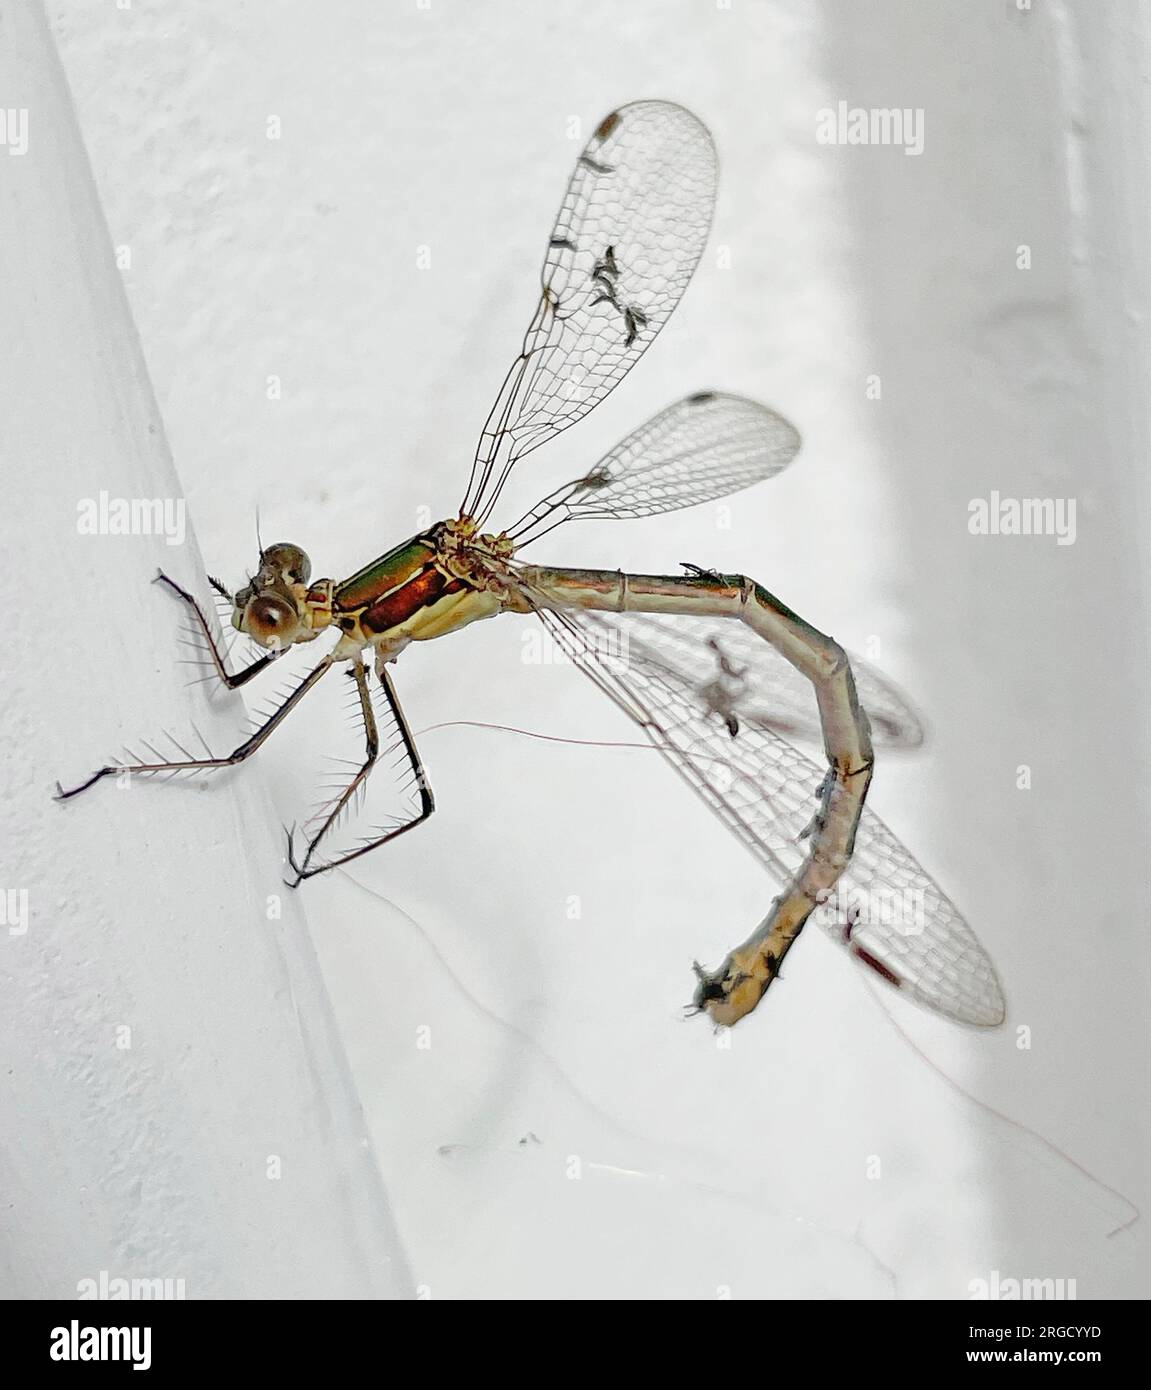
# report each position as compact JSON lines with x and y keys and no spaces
{"x":435,"y":583}
{"x":717,"y":673}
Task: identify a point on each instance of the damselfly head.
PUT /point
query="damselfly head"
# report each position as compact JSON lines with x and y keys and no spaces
{"x":287,"y":560}
{"x":270,"y":608}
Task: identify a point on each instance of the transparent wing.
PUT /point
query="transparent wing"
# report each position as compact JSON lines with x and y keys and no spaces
{"x":886,"y":910}
{"x":630,"y":231}
{"x":705,"y":446}
{"x":753,"y":683}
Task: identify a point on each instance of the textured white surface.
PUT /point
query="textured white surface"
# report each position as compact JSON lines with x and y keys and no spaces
{"x":817,"y":1155}
{"x":165,"y":1044}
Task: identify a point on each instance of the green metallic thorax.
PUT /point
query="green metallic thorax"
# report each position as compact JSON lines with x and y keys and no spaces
{"x":409,"y":594}
{"x":384,"y":575}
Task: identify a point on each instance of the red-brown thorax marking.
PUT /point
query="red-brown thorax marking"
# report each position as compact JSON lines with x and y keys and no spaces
{"x":437,"y":582}
{"x":434,"y":583}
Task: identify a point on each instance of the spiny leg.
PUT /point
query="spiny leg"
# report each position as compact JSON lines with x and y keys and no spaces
{"x":302,"y":870}
{"x":233,"y":682}
{"x":237,"y":755}
{"x":733,"y":990}
{"x":359,"y":675}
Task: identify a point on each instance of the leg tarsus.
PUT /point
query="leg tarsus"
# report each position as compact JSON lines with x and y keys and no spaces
{"x":62,"y":795}
{"x":290,"y":833}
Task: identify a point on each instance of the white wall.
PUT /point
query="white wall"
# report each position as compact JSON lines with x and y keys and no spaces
{"x":447,"y":128}
{"x":1030,"y":654}
{"x":176,"y":1101}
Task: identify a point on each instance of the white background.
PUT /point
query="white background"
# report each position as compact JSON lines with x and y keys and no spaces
{"x":816,"y":1153}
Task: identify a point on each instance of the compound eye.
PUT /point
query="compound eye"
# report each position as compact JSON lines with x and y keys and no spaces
{"x":271,"y":620}
{"x":290,"y":560}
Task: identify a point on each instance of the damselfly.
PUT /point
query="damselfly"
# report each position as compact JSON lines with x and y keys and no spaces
{"x":710,"y":695}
